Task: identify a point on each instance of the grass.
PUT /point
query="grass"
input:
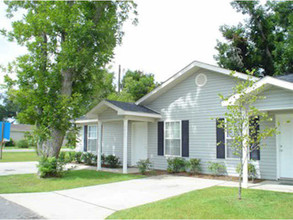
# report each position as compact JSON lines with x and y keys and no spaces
{"x":18,"y":148}
{"x":72,"y":179}
{"x":19,"y":156}
{"x":215,"y":203}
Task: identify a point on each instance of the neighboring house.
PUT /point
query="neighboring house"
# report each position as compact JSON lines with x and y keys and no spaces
{"x":17,"y":131}
{"x":175,"y":120}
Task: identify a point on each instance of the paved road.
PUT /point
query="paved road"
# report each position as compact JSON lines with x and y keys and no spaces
{"x":31,"y":150}
{"x":10,"y":210}
{"x":97,"y":202}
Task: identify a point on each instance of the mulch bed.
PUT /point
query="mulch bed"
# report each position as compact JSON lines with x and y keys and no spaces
{"x":203,"y":176}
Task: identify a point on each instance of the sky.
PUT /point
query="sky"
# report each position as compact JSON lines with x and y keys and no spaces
{"x":170,"y":35}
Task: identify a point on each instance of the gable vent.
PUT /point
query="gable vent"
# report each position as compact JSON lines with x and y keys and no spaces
{"x":200,"y":79}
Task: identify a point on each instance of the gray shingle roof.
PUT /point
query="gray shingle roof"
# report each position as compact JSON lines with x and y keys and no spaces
{"x":130,"y":106}
{"x":288,"y":77}
{"x":21,"y":127}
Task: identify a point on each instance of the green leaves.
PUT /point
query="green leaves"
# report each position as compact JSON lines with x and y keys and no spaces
{"x":69,"y":44}
{"x":262,"y":42}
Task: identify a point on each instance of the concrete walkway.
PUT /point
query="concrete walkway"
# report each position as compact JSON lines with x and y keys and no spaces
{"x":265,"y":185}
{"x":102,"y":200}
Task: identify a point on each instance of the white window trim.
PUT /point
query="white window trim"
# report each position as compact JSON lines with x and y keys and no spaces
{"x":90,"y":138}
{"x":180,"y":126}
{"x":226,"y":145}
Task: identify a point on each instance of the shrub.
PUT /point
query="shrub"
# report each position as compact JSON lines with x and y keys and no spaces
{"x":217,"y":168}
{"x":70,"y":157}
{"x":112,"y":161}
{"x":22,"y":143}
{"x":78,"y":156}
{"x":251,"y":170}
{"x":50,"y":167}
{"x":103,"y":159}
{"x":31,"y":139}
{"x":62,"y":156}
{"x":194,"y":165}
{"x":89,"y":158}
{"x":176,"y":165}
{"x":10,"y":143}
{"x":144,"y":165}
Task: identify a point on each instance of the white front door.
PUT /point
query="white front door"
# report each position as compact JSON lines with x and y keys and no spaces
{"x":286,"y":146}
{"x":139,"y":142}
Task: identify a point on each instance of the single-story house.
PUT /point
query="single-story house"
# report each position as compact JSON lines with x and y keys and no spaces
{"x":175,"y":120}
{"x":17,"y":131}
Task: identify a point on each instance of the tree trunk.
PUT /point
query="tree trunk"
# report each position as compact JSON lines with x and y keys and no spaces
{"x":52,"y":146}
{"x":240,"y":180}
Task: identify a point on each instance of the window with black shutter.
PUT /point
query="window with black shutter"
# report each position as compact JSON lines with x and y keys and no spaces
{"x":220,"y":139}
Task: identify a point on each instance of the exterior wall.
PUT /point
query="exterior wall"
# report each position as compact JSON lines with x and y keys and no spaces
{"x":268,"y":159}
{"x":113,"y":139}
{"x":275,"y":99}
{"x":80,"y":138}
{"x":109,"y":114}
{"x":186,"y":101}
{"x":17,"y":135}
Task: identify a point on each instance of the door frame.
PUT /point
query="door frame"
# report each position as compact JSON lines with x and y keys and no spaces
{"x":133,"y":163}
{"x":277,"y":117}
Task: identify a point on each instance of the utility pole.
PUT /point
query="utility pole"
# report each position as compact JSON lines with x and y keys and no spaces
{"x":119,"y":74}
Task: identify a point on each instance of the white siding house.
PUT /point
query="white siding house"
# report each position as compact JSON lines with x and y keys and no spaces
{"x":178,"y":119}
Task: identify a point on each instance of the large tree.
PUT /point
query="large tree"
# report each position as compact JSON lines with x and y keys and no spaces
{"x":68,"y":43}
{"x":264,"y":41}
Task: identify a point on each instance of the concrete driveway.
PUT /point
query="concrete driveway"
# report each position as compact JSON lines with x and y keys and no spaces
{"x":11,"y":168}
{"x":102,"y":200}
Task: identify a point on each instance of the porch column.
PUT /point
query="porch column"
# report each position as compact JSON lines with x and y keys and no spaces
{"x":125,"y":136}
{"x":245,"y":157}
{"x":99,"y":146}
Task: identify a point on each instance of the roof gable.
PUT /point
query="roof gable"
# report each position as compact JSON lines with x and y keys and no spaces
{"x":183,"y":74}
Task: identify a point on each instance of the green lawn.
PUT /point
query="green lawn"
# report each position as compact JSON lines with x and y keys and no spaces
{"x":19,"y":156}
{"x":215,"y":203}
{"x":72,"y":179}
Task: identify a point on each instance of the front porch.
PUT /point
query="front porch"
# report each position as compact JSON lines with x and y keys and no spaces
{"x":122,"y":131}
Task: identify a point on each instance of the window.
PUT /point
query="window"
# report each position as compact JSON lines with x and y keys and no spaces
{"x":92,"y":138}
{"x":173,"y":138}
{"x":230,"y":151}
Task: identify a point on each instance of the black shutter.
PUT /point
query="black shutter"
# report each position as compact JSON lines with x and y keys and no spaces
{"x":85,"y":139}
{"x":220,"y":139}
{"x":160,"y":138}
{"x":255,"y":154}
{"x":185,"y":138}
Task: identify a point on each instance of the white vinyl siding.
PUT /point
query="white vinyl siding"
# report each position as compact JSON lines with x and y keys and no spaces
{"x":186,"y":101}
{"x":172,"y":135}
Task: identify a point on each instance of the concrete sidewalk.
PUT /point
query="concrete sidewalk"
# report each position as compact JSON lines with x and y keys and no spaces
{"x":102,"y":200}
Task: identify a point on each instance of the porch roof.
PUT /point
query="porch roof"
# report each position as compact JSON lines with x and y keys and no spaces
{"x":123,"y":109}
{"x":285,"y":82}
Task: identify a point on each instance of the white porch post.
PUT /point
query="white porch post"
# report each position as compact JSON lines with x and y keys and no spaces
{"x":125,"y":135}
{"x":245,"y":157}
{"x":99,"y":146}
